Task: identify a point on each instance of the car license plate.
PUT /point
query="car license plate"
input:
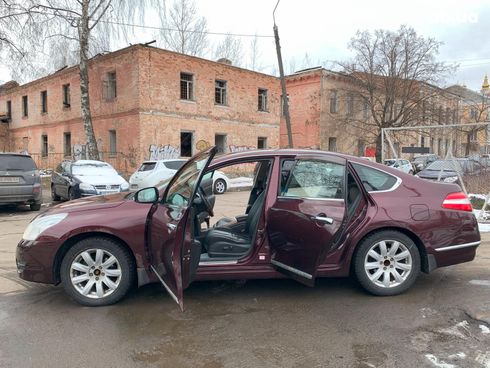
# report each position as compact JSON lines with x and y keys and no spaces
{"x":9,"y":179}
{"x":134,"y":186}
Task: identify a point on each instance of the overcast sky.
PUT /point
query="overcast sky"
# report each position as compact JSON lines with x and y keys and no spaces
{"x":322,"y":29}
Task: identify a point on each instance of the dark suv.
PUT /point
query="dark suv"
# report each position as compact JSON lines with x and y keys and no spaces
{"x":20,"y":182}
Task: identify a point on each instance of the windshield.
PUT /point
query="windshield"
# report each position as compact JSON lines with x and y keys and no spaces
{"x":182,"y":189}
{"x":16,"y":162}
{"x":101,"y":169}
{"x":446,"y":165}
{"x":147,"y":166}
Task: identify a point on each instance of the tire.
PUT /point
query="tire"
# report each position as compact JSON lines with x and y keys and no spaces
{"x":54,"y":196}
{"x":372,"y":271}
{"x":35,"y":206}
{"x":80,"y":279}
{"x":219,"y":186}
{"x":71,"y":194}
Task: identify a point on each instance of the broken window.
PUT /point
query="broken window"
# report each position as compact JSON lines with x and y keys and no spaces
{"x":220,"y":92}
{"x":44,"y":145}
{"x":25,"y":107}
{"x":186,"y":144}
{"x":66,"y":95}
{"x":220,"y":143}
{"x":67,"y":144}
{"x":110,"y":88}
{"x":112,"y":142}
{"x":44,"y":102}
{"x":262,"y":100}
{"x":186,"y":86}
{"x":333,"y":101}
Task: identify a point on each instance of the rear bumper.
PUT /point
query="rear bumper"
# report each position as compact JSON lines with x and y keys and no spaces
{"x":454,"y":254}
{"x":20,"y":193}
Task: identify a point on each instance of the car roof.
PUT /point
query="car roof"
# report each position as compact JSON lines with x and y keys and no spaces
{"x":166,"y":160}
{"x":89,"y":162}
{"x":14,"y":154}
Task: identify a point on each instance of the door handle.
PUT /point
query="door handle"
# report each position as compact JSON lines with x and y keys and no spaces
{"x":324,"y":219}
{"x":171,"y":226}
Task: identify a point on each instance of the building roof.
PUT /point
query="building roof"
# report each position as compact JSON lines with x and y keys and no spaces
{"x":465,"y":93}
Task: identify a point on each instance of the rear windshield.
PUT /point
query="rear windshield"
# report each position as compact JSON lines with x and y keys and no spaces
{"x":174,"y":165}
{"x":14,"y":162}
{"x":374,"y":180}
{"x":147,"y":166}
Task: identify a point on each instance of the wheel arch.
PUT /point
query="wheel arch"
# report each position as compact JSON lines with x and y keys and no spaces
{"x":424,"y":261}
{"x":78,"y":237}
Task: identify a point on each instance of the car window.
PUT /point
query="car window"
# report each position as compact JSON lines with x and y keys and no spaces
{"x":174,"y":165}
{"x":315,"y":179}
{"x":16,"y":162}
{"x":147,"y":166}
{"x":374,"y":180}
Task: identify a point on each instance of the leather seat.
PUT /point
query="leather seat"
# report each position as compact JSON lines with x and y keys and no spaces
{"x":228,"y":242}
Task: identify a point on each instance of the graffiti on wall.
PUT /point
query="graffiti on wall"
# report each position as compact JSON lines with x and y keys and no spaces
{"x":79,"y":151}
{"x":234,"y":148}
{"x":163,"y":152}
{"x":202,"y":145}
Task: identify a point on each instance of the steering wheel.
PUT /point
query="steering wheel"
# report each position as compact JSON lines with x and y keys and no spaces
{"x":205,"y":200}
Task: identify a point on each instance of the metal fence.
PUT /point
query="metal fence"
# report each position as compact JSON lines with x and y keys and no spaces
{"x":462,"y":151}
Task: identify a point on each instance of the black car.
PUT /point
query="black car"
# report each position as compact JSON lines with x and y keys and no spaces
{"x":419,"y":163}
{"x":448,"y":170}
{"x":82,"y":178}
{"x":20,"y":182}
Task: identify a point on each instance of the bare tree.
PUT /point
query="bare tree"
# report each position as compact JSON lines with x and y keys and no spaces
{"x":255,"y":54}
{"x":230,"y":48}
{"x":186,"y":32}
{"x":67,"y":30}
{"x":391,"y":79}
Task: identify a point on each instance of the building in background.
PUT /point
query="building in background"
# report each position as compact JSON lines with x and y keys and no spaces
{"x":146,"y":103}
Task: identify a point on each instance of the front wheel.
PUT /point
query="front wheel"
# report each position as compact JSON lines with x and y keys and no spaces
{"x":97,"y":271}
{"x":219,"y":186}
{"x":387,"y":263}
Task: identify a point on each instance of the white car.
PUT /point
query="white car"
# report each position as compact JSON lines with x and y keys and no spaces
{"x":151,"y":173}
{"x":400,"y":164}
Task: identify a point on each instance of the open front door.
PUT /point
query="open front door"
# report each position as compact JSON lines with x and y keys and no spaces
{"x":169,"y":231}
{"x":308,"y":215}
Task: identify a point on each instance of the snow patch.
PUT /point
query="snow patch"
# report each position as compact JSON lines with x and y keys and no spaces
{"x":460,"y":355}
{"x":483,"y":359}
{"x":480,"y":282}
{"x":438,"y":363}
{"x":484,"y":329}
{"x":460,"y":330}
{"x":241,"y":182}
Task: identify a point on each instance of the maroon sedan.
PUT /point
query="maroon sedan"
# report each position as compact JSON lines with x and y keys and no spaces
{"x":310,"y":214}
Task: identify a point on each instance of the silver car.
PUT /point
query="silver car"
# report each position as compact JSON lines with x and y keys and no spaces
{"x":20,"y":182}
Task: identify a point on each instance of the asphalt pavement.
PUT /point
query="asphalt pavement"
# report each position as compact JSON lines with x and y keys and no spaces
{"x":443,"y":321}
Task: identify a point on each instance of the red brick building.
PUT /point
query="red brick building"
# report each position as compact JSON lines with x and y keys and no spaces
{"x":146,"y":102}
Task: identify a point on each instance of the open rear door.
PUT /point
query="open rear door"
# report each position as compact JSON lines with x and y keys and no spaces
{"x":307,"y":216}
{"x":169,"y":231}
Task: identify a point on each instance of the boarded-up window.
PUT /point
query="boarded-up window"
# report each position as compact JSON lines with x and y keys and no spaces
{"x":186,"y":86}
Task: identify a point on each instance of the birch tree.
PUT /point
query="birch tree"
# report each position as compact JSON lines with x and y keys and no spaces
{"x":68,"y":31}
{"x":230,"y":48}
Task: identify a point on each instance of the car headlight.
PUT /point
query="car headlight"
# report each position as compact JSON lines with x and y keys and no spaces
{"x":86,"y":187}
{"x":450,"y":179}
{"x":40,"y":224}
{"x":124,"y":186}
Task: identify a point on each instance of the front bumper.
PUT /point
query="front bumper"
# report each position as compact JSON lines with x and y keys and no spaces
{"x":35,"y":261}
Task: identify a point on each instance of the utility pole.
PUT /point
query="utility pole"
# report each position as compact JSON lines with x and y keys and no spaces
{"x":285,"y":100}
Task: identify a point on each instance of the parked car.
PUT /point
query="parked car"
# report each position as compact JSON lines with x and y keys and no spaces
{"x":312,"y":214}
{"x":447,"y":170}
{"x":400,"y":164}
{"x":151,"y":173}
{"x":422,"y":161}
{"x":20,"y":182}
{"x":82,"y":178}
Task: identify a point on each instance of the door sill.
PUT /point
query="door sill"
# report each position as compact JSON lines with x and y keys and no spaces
{"x":292,"y":269}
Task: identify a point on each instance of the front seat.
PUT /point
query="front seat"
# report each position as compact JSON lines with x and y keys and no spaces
{"x":227,"y":242}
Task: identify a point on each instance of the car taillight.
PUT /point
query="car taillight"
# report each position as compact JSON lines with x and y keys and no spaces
{"x":457,"y":201}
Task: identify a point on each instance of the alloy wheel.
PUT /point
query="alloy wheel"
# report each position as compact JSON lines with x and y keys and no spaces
{"x":95,"y":273}
{"x":220,"y":187}
{"x":388,"y":263}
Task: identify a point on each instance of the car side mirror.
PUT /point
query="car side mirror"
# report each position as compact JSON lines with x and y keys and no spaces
{"x":146,"y":195}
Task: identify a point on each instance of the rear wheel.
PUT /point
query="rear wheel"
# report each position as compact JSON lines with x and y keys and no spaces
{"x":387,"y":263}
{"x":71,"y":194}
{"x":219,"y":186}
{"x":97,"y":271}
{"x":35,"y":206}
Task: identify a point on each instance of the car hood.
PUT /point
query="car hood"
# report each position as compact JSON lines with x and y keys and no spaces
{"x":90,"y":203}
{"x":434,"y":174}
{"x":100,"y":179}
